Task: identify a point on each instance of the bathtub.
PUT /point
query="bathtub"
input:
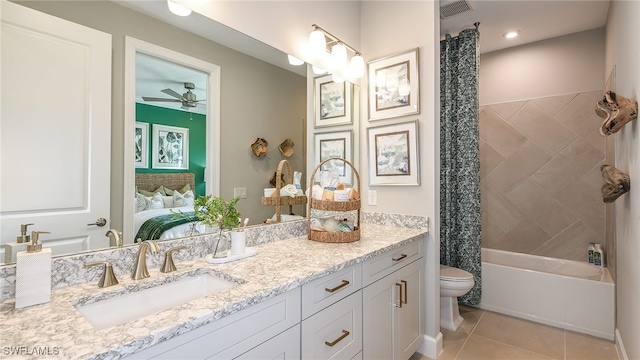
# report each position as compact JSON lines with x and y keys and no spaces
{"x":566,"y":294}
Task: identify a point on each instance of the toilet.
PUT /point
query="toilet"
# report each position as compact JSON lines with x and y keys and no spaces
{"x":454,"y":282}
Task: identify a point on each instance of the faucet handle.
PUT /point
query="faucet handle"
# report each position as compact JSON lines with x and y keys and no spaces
{"x":108,"y":278}
{"x":168,"y":265}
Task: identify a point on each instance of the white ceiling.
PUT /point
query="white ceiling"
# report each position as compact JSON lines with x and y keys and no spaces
{"x":537,"y":20}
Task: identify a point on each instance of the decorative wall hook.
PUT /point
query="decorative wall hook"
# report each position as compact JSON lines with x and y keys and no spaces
{"x":616,"y":111}
{"x":616,"y":183}
{"x":259,"y":147}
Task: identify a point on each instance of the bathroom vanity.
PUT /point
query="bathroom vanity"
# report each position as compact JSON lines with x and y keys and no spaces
{"x":296,"y":297}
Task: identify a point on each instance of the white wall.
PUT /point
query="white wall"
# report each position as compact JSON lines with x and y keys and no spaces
{"x":533,"y":70}
{"x":390,"y":27}
{"x":623,"y":51}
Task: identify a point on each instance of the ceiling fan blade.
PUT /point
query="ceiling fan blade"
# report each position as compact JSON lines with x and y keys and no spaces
{"x":173,"y":93}
{"x":146,"y":98}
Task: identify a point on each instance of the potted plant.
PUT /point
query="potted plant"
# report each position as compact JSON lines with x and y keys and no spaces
{"x":214,"y":211}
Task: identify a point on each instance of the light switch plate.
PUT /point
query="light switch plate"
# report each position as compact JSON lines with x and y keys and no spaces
{"x":373,"y":197}
{"x":242,"y":192}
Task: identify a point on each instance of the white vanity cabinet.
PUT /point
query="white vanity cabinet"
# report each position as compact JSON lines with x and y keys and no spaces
{"x":332,"y":316}
{"x":271,"y":327}
{"x":393,"y":318}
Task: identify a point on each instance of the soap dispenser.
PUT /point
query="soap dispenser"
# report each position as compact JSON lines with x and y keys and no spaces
{"x":21,"y":243}
{"x":33,"y":273}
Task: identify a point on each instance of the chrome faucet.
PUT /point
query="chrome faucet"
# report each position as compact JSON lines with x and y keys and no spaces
{"x":140,"y":267}
{"x":114,"y":236}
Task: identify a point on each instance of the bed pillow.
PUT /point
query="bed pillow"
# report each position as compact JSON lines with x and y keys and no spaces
{"x":160,"y":190}
{"x":185,"y":199}
{"x":182,"y":191}
{"x":149,"y":202}
{"x":168,"y":201}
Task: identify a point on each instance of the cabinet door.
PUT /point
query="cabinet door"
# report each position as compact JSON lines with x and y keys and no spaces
{"x":409,"y":319}
{"x":378,"y":303}
{"x":282,"y":347}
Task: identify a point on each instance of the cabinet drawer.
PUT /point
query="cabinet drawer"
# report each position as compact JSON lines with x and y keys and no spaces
{"x":234,"y":334}
{"x":378,"y":267}
{"x":325,"y":291}
{"x":283,"y":346}
{"x":335,"y":332}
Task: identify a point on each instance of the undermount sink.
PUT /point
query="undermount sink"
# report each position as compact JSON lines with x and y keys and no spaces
{"x":124,"y":308}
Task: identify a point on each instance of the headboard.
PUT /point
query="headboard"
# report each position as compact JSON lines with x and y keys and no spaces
{"x":173,"y":181}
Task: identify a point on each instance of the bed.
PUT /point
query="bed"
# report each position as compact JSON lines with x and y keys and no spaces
{"x":158,"y":197}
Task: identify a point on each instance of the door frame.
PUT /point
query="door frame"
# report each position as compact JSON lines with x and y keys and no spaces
{"x":212,"y":170}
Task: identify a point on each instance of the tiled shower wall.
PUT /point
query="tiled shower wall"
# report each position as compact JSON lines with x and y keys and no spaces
{"x":540,"y":175}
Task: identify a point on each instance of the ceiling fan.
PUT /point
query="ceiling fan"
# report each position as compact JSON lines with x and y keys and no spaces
{"x":187,"y":99}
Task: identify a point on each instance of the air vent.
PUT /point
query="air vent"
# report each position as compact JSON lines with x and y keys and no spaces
{"x":455,"y":8}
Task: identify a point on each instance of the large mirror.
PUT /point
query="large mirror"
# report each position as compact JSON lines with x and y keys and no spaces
{"x":261,"y":96}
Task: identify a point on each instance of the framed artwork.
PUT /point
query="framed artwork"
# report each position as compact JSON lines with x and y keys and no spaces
{"x":170,"y":147}
{"x":141,"y":148}
{"x":393,"y":154}
{"x":332,"y":145}
{"x":332,"y":102}
{"x":394,"y":87}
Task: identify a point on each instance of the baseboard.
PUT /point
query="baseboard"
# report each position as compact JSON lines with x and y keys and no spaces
{"x":622,"y":354}
{"x":431,"y":347}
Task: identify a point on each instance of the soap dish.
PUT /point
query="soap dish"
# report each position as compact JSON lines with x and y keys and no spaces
{"x":248,"y":252}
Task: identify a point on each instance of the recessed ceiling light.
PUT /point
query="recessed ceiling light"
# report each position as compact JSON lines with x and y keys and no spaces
{"x":511,"y":34}
{"x":178,"y":9}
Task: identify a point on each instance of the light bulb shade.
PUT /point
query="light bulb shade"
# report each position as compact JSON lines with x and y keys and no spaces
{"x":294,"y":60}
{"x":178,"y":9}
{"x":356,"y":67}
{"x":338,"y":56}
{"x":317,"y":43}
{"x":317,"y":70}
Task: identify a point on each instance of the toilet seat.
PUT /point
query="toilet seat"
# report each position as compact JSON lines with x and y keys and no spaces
{"x":451,"y":274}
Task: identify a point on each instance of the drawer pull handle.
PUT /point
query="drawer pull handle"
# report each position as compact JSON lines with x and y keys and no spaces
{"x":405,"y":291}
{"x":399,"y":304}
{"x":344,"y":283}
{"x":345,"y":333}
{"x":400,"y":258}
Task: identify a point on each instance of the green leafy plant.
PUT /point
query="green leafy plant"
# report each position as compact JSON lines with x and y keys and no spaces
{"x":215,"y":211}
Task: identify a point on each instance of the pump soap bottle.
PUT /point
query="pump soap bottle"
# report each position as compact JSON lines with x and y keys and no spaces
{"x":21,"y":243}
{"x":33,"y":274}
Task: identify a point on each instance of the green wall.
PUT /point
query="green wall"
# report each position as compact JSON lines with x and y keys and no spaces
{"x":196,"y":123}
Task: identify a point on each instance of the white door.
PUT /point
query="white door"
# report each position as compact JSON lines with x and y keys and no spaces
{"x":55,"y":126}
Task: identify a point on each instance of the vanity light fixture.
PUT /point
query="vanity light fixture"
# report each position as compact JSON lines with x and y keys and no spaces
{"x":317,"y":70}
{"x":511,"y":34}
{"x":178,"y":9}
{"x":320,"y":40}
{"x":294,"y":60}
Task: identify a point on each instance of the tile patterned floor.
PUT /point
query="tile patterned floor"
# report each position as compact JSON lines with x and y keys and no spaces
{"x":485,"y":335}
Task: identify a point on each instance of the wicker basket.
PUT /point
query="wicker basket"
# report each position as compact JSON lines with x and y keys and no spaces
{"x":336,"y":206}
{"x":277,"y":200}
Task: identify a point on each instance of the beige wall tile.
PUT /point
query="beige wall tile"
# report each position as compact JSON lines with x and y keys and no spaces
{"x":570,"y":244}
{"x":554,"y":104}
{"x":518,"y":167}
{"x":491,"y":230}
{"x":544,"y":209}
{"x":524,"y":238}
{"x":542,"y":128}
{"x":586,"y":204}
{"x":499,"y":207}
{"x":489,"y":159}
{"x":499,"y":134}
{"x":570,"y":164}
{"x":580,"y":116}
{"x":506,"y":110}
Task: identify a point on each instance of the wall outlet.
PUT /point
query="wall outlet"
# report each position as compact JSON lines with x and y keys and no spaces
{"x":373,"y":197}
{"x":242,"y":192}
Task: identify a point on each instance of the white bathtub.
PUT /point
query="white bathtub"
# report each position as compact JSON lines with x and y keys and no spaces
{"x":567,"y":294}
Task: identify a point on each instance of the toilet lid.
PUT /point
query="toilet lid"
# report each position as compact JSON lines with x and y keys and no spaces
{"x":449,"y":273}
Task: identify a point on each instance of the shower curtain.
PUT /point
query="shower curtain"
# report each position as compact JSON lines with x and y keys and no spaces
{"x":460,"y":157}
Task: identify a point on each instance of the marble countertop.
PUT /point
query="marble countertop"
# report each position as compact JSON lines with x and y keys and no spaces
{"x":57,"y":329}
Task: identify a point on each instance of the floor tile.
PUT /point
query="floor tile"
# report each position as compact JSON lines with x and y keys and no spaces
{"x":527,"y":335}
{"x":585,"y":347}
{"x":479,"y":348}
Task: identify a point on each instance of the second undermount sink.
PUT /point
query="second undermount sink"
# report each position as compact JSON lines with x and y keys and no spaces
{"x":124,"y":308}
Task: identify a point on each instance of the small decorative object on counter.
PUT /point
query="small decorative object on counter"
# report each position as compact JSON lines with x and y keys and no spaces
{"x":33,"y":273}
{"x":338,"y":228}
{"x":259,"y":147}
{"x":616,"y":111}
{"x":615,"y":184}
{"x":214,"y":211}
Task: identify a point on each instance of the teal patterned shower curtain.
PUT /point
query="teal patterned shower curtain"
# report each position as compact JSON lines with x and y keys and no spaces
{"x":460,"y":157}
